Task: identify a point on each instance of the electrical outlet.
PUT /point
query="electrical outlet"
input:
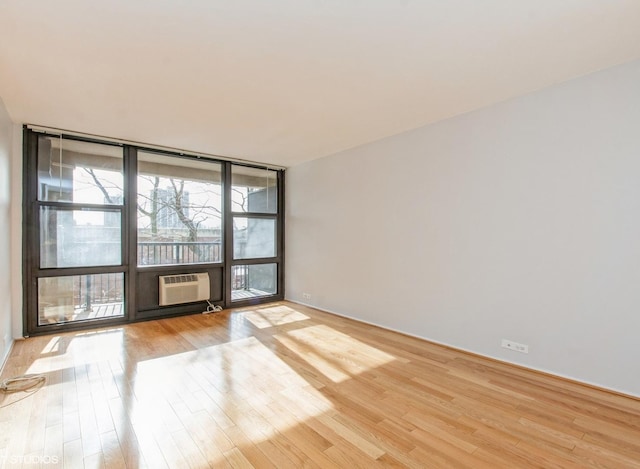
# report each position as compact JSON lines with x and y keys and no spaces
{"x":306,"y":296}
{"x":511,"y":345}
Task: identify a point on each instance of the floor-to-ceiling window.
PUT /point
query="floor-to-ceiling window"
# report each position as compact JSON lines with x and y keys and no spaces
{"x":76,"y":232}
{"x":254,"y":208}
{"x":109,"y":228}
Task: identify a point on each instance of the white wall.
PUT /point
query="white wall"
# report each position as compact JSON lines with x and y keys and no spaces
{"x":6,"y":150}
{"x":517,"y":221}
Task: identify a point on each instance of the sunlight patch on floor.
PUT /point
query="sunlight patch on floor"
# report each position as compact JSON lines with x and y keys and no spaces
{"x":336,"y":355}
{"x":238,"y":385}
{"x":85,"y":348}
{"x":53,"y":346}
{"x":274,"y":316}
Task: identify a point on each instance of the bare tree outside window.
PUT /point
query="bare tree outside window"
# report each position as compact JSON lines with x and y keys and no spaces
{"x":179,"y":217}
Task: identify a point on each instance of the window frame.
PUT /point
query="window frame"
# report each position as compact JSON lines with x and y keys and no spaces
{"x":135,"y":212}
{"x":32,"y":269}
{"x":278,"y":259}
{"x":128,"y":238}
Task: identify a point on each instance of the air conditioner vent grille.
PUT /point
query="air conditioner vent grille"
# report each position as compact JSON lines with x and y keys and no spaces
{"x":170,"y":279}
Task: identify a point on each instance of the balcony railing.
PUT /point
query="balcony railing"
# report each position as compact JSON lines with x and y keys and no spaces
{"x":176,"y":252}
{"x":90,"y":291}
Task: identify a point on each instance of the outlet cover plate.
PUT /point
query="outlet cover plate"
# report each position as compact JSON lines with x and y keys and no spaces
{"x":511,"y":345}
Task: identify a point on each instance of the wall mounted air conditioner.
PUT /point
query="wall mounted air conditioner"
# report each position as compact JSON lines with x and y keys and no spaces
{"x":183,"y":288}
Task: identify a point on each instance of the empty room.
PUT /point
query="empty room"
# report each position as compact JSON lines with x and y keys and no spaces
{"x":320,"y":233}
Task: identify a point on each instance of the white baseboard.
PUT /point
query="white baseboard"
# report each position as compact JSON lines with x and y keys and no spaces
{"x":6,"y":356}
{"x":472,"y":352}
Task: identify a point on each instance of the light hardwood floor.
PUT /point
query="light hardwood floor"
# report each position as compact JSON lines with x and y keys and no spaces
{"x":283,"y":385}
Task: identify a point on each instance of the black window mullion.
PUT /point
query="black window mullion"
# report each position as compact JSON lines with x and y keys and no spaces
{"x":78,"y":206}
{"x":257,"y":261}
{"x":30,"y":235}
{"x":227,"y":240}
{"x":130,"y":229}
{"x":255,"y":215}
{"x":83,"y":270}
{"x":280,"y":235}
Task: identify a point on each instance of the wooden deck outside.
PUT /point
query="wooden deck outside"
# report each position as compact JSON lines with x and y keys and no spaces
{"x":64,"y":314}
{"x":248,"y":293}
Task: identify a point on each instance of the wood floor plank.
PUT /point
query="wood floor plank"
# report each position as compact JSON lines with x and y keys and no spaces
{"x":190,"y":451}
{"x":54,"y":443}
{"x":287,"y":386}
{"x":112,"y":453}
{"x":73,"y":456}
{"x":209,"y":438}
{"x":276,"y":456}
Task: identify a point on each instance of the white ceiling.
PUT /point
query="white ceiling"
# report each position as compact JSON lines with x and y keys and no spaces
{"x":285,"y":81}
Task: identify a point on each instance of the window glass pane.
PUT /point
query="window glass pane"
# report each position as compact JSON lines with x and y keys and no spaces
{"x":254,"y":190}
{"x":252,"y":281}
{"x":80,"y":297}
{"x":84,"y":237}
{"x":81,"y":172}
{"x":253,"y":237}
{"x":179,"y":210}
